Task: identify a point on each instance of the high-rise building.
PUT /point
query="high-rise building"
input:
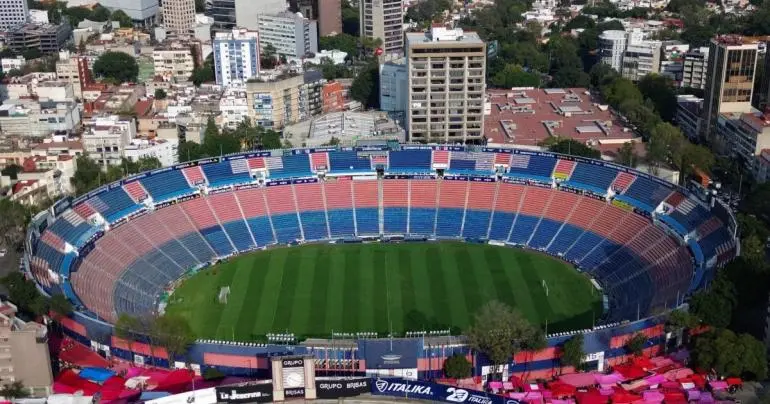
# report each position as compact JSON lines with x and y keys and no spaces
{"x":143,"y":12}
{"x":223,"y":13}
{"x":641,"y":59}
{"x":25,"y":355}
{"x":393,"y":86}
{"x":14,"y":13}
{"x":732,"y":64}
{"x":276,"y":103}
{"x":695,"y":68}
{"x":74,"y":69}
{"x":236,"y":56}
{"x":179,"y":16}
{"x":383,"y":19}
{"x":292,"y":35}
{"x":328,"y":13}
{"x":612,"y":44}
{"x":446,"y":70}
{"x":248,"y":11}
{"x":173,"y":63}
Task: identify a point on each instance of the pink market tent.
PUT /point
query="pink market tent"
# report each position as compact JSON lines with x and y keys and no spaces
{"x":677,"y":374}
{"x":655,"y":379}
{"x":653,"y":396}
{"x":557,"y":401}
{"x":611,"y":378}
{"x":561,"y":389}
{"x":706,"y":398}
{"x":579,"y":379}
{"x":177,"y":381}
{"x":718,"y":385}
{"x":591,"y":396}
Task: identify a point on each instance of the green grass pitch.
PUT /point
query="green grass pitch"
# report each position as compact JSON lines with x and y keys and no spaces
{"x":313,"y":290}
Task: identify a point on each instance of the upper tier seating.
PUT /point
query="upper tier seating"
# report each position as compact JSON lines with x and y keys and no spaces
{"x":166,"y":185}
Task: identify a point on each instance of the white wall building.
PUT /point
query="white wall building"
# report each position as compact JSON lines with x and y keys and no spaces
{"x":234,"y":106}
{"x":107,"y":137}
{"x":14,"y":12}
{"x":165,"y":150}
{"x":247,"y":11}
{"x":612,"y":44}
{"x":29,"y":118}
{"x":173,"y":63}
{"x":8,"y":64}
{"x":292,"y":35}
{"x":39,"y":17}
{"x":236,"y":56}
{"x":141,"y":11}
{"x":394,"y":84}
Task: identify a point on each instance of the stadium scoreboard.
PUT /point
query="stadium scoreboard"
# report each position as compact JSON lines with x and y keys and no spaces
{"x":293,"y":377}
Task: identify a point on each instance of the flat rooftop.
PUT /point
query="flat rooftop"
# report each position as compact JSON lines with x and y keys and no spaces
{"x":528,"y":116}
{"x":443,"y":36}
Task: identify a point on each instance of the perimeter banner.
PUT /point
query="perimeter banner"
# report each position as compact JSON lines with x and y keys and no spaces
{"x":420,"y":390}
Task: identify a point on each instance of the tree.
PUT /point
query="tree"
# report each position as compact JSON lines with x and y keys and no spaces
{"x":350,"y":19}
{"x":715,"y":305}
{"x":757,"y":202}
{"x":127,"y":328}
{"x":334,"y":141}
{"x":572,"y":352}
{"x":204,"y":73}
{"x":499,"y":332}
{"x":731,"y":355}
{"x":427,"y":11}
{"x":365,"y":87}
{"x":457,"y":367}
{"x":14,"y":390}
{"x":24,"y":294}
{"x":31,"y":53}
{"x":660,"y":90}
{"x":636,"y":344}
{"x":189,"y":151}
{"x":344,"y":42}
{"x":99,"y":13}
{"x":515,"y":76}
{"x":267,"y":57}
{"x":571,"y":147}
{"x":12,"y":170}
{"x":117,"y":67}
{"x":621,"y":90}
{"x":173,"y":332}
{"x":142,"y":164}
{"x":160,"y":94}
{"x":88,"y":175}
{"x":122,"y":18}
{"x":14,"y":218}
{"x":60,"y":306}
{"x":627,"y":154}
{"x":200,"y":6}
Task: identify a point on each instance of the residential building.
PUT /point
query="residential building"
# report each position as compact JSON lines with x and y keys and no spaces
{"x":383,"y":19}
{"x":247,"y":12}
{"x":394,"y":81}
{"x":32,"y":118}
{"x":8,"y":64}
{"x":695,"y":68}
{"x":333,"y":97}
{"x":53,"y":171}
{"x":179,"y":16}
{"x":38,"y":16}
{"x":732,"y":63}
{"x":74,"y":69}
{"x":612,"y":44}
{"x":47,"y":38}
{"x":233,"y":106}
{"x":689,"y":115}
{"x":641,"y":59}
{"x":762,"y":167}
{"x":106,"y":138}
{"x":142,"y":12}
{"x":165,"y":150}
{"x":173,"y":63}
{"x":276,"y":103}
{"x":352,"y":127}
{"x":446,"y":70}
{"x":746,"y":136}
{"x":14,"y":13}
{"x":313,"y":88}
{"x":24,"y":347}
{"x":328,"y":13}
{"x":223,"y":13}
{"x":236,"y":56}
{"x":291,"y":34}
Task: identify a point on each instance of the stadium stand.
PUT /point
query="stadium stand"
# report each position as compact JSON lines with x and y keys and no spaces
{"x":639,"y":263}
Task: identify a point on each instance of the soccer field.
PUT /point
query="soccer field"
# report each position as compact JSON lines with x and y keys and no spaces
{"x":313,"y":290}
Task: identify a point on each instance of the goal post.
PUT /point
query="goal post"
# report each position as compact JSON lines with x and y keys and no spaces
{"x":224,"y":291}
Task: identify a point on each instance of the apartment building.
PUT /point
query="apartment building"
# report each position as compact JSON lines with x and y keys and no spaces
{"x":446,"y":71}
{"x":24,"y":353}
{"x":641,"y":59}
{"x":179,"y":16}
{"x":328,"y":13}
{"x":276,"y":103}
{"x":732,"y":64}
{"x":246,"y":12}
{"x":32,"y":118}
{"x":695,"y":68}
{"x":236,"y":56}
{"x":291,"y":34}
{"x":74,"y":69}
{"x":14,"y":13}
{"x":746,"y":136}
{"x":173,"y":63}
{"x":611,"y":45}
{"x":383,"y":19}
{"x":106,"y":138}
{"x":48,"y":38}
{"x":689,"y":115}
{"x":394,"y":80}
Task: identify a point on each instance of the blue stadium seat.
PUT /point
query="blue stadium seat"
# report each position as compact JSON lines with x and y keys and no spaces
{"x":544,"y":233}
{"x":161,"y":268}
{"x":476,"y":224}
{"x":462,"y":165}
{"x":262,"y":231}
{"x":221,"y":173}
{"x":341,"y":223}
{"x":449,"y":222}
{"x":52,"y":256}
{"x":314,"y":225}
{"x":582,"y":246}
{"x":690,"y":221}
{"x":411,"y":159}
{"x":422,"y":221}
{"x":593,"y":177}
{"x":166,"y":185}
{"x":501,"y":226}
{"x":69,"y":232}
{"x":114,"y":204}
{"x":218,"y":240}
{"x":395,"y":220}
{"x":523,"y":227}
{"x":538,"y":167}
{"x":197,"y":246}
{"x":239,"y":234}
{"x":368,"y":221}
{"x":286,"y":227}
{"x":565,"y":238}
{"x":293,"y":166}
{"x":344,"y":161}
{"x":646,"y":193}
{"x":179,"y":254}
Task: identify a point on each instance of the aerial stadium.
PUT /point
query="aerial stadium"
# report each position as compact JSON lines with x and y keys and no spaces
{"x":348,"y":254}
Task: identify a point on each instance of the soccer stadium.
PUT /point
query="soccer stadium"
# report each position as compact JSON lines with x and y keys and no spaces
{"x":345,"y":246}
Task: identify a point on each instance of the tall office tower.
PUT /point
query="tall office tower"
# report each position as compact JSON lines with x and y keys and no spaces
{"x":290,"y":34}
{"x":695,"y":68}
{"x":14,"y":12}
{"x":732,"y":66}
{"x":223,"y":13}
{"x":179,"y":16}
{"x":612,"y":44}
{"x":446,"y":70}
{"x":383,"y":19}
{"x":247,"y":11}
{"x":328,"y":13}
{"x":236,"y":56}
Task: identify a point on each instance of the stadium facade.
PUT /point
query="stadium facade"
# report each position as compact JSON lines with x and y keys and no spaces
{"x":646,"y":243}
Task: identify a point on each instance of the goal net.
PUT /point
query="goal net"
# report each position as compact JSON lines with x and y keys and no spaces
{"x":224,"y":291}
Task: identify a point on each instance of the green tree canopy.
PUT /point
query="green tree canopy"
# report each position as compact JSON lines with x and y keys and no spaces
{"x":457,"y":367}
{"x":122,"y":18}
{"x":571,"y":147}
{"x":117,"y":67}
{"x":60,"y":305}
{"x":365,"y":87}
{"x":99,"y":13}
{"x":715,"y":305}
{"x":499,"y":332}
{"x":173,"y":332}
{"x":14,"y":218}
{"x":427,"y":11}
{"x":636,"y":344}
{"x":627,"y":154}
{"x":731,"y":355}
{"x":515,"y":76}
{"x":572,"y":353}
{"x":660,"y":90}
{"x":160,"y":94}
{"x":14,"y":390}
{"x":24,"y":294}
{"x":344,"y":42}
